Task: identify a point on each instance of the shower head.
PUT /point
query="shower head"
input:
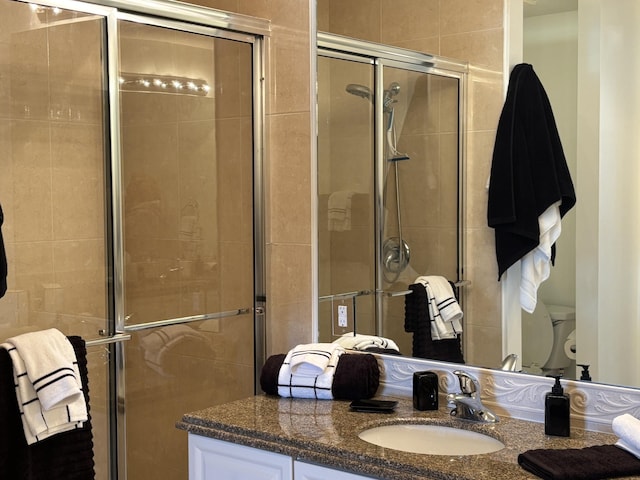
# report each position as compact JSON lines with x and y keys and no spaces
{"x":394,"y":89}
{"x":359,"y":90}
{"x":365,"y":92}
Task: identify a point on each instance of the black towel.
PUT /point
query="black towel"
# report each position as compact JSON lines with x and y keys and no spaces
{"x":3,"y":260}
{"x":357,"y":376}
{"x":417,"y":321}
{"x":529,"y":171}
{"x":591,"y":463}
{"x":64,"y":456}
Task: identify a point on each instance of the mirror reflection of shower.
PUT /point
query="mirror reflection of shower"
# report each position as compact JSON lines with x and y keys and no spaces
{"x":395,"y":250}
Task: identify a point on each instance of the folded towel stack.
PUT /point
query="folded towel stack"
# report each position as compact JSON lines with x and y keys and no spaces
{"x":47,"y":382}
{"x":363,"y":343}
{"x":591,"y":463}
{"x":627,"y":428}
{"x":308,"y":371}
{"x":355,"y":376}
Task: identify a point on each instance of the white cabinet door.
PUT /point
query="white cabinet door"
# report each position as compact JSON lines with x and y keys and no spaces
{"x":211,"y":459}
{"x":307,"y":471}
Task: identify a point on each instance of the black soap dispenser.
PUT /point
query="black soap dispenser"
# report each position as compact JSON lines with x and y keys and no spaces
{"x":557,"y":412}
{"x":585,"y":373}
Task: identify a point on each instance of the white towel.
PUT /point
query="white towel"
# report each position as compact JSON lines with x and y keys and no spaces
{"x":49,"y":361}
{"x":39,"y":352}
{"x":536,"y":265}
{"x":444,"y":310}
{"x":627,"y":428}
{"x":358,"y":341}
{"x":339,"y":211}
{"x":302,"y":386}
{"x":311,"y":359}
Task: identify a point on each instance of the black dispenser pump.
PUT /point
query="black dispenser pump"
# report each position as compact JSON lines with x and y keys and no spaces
{"x":585,"y":372}
{"x":557,"y":387}
{"x":557,"y":420}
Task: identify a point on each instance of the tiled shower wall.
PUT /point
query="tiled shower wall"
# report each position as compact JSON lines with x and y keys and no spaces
{"x":465,"y":30}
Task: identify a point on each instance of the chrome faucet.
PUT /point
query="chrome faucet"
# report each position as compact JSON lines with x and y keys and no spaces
{"x":467,"y":403}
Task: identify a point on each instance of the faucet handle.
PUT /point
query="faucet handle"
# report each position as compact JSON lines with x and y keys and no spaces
{"x":468,"y":383}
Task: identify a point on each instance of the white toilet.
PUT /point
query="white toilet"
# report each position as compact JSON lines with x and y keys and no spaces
{"x":548,"y":345}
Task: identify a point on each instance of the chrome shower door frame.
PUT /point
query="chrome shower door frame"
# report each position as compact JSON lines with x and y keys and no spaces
{"x":382,"y":56}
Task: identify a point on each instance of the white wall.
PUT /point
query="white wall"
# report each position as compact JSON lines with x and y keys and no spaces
{"x":608,"y":277}
{"x":607,"y":175}
{"x":551,"y":46}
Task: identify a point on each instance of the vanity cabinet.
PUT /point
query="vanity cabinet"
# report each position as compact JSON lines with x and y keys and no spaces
{"x":307,"y":471}
{"x":212,"y":459}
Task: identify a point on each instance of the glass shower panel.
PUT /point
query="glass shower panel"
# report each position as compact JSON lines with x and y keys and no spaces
{"x":186,"y":105}
{"x":421,"y":196}
{"x":346,"y":239}
{"x":187,"y":155}
{"x":52,"y":157}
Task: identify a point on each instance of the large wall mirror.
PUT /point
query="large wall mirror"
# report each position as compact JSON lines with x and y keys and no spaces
{"x":586,"y":54}
{"x":597,"y":107}
{"x":389,"y":183}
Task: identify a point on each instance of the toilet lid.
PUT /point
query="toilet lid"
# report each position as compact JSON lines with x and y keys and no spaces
{"x":537,"y":337}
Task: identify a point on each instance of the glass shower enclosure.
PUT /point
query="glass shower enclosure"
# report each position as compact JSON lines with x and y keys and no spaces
{"x":390,"y":182}
{"x":130,"y":185}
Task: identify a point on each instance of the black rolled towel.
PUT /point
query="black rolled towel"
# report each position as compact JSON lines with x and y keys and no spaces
{"x":269,"y":373}
{"x":357,"y":376}
{"x":591,"y":463}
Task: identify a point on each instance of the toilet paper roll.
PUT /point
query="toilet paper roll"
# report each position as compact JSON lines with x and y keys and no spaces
{"x":570,"y":346}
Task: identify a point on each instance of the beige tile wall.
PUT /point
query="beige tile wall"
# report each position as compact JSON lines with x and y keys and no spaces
{"x":288,"y":167}
{"x":467,"y":30}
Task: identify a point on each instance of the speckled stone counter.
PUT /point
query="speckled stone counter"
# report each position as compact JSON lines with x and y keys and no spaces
{"x":326,"y":433}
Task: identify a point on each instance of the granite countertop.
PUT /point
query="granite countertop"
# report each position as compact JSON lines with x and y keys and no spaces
{"x":326,"y":432}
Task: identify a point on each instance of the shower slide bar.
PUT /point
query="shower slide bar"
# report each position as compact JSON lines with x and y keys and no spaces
{"x":402,"y":293}
{"x":118,"y":337}
{"x":344,"y":296}
{"x":194,"y":318}
{"x":360,"y":293}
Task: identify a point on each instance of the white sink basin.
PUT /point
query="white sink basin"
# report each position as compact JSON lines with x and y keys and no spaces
{"x":431,"y":439}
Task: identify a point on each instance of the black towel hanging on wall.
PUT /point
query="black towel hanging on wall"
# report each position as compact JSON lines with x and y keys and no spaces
{"x":529,"y":171}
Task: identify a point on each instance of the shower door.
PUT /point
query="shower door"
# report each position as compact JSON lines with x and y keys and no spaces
{"x":186,"y":106}
{"x":389,"y":182}
{"x":130,"y":185}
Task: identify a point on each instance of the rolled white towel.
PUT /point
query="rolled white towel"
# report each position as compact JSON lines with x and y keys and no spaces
{"x":627,"y":428}
{"x":311,"y":359}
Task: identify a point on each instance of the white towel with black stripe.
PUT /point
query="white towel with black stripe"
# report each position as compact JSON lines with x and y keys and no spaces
{"x":311,"y":359}
{"x":295,"y":385}
{"x":358,"y":341}
{"x":48,"y":384}
{"x":444,"y":310}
